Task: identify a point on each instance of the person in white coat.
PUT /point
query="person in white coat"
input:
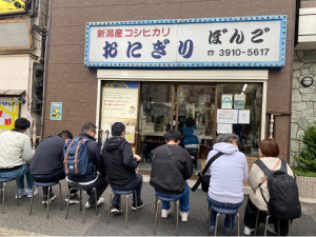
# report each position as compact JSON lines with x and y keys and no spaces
{"x":16,"y":156}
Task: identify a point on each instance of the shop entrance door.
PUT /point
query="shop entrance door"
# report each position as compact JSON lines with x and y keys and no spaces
{"x":186,"y":107}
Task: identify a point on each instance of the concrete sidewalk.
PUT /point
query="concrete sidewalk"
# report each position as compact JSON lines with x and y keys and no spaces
{"x":16,"y":220}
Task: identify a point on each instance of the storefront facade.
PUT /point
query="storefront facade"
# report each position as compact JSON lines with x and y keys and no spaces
{"x":153,"y":89}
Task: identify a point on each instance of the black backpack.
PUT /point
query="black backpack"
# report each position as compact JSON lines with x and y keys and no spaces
{"x":284,"y":201}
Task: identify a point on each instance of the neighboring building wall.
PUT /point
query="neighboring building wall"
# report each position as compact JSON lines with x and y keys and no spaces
{"x":68,"y":81}
{"x":303,"y":98}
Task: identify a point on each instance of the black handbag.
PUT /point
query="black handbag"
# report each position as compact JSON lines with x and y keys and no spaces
{"x":204,"y":180}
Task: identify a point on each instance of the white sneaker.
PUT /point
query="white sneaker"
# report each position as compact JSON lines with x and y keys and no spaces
{"x":247,"y":230}
{"x":271,"y":229}
{"x":99,"y":202}
{"x":29,"y":192}
{"x":21,"y":193}
{"x":165,"y":213}
{"x":184,"y":216}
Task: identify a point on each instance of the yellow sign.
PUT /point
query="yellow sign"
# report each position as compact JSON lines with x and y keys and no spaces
{"x":9,"y":112}
{"x":12,"y":6}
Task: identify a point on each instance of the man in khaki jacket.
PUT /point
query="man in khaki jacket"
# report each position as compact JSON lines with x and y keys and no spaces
{"x":268,"y":153}
{"x":16,"y":155}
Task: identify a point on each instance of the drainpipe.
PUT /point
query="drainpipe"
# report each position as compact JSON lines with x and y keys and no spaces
{"x":45,"y":65}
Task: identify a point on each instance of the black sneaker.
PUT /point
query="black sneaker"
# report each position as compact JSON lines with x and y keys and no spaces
{"x":140,"y":205}
{"x":73,"y":199}
{"x":115,"y":209}
{"x":52,"y":197}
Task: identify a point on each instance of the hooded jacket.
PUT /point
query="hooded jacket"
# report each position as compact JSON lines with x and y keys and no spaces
{"x":228,"y":173}
{"x":15,"y":149}
{"x":119,"y":161}
{"x":94,"y":157}
{"x":169,"y":173}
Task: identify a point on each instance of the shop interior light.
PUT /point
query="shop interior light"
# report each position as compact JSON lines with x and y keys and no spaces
{"x":307,"y":81}
{"x":245,"y":87}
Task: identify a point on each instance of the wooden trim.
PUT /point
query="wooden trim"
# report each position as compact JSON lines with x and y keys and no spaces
{"x":177,"y":109}
{"x":215,"y":115}
{"x":172,"y":105}
{"x":278,"y":113}
{"x":137,"y":120}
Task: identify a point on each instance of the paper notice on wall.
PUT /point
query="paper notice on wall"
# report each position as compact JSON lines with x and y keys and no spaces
{"x":223,"y":128}
{"x":227,"y":101}
{"x":130,"y":134}
{"x":244,"y":116}
{"x":239,"y":101}
{"x":205,"y":98}
{"x":227,"y":116}
{"x":9,"y":112}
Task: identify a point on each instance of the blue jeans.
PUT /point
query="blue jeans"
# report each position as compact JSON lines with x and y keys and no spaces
{"x":183,"y":198}
{"x":212,"y":202}
{"x":18,"y":174}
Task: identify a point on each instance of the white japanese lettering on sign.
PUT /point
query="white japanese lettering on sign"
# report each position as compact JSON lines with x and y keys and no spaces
{"x":230,"y":42}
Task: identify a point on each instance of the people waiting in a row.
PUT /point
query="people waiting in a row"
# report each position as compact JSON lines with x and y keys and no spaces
{"x":117,"y":165}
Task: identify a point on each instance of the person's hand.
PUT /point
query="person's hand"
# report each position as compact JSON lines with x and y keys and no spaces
{"x":137,"y":157}
{"x":136,"y":170}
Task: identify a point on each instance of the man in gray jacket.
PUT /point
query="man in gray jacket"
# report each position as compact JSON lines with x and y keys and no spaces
{"x":16,"y":155}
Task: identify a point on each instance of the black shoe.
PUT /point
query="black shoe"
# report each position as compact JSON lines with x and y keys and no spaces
{"x":52,"y":197}
{"x":140,"y":204}
{"x":73,"y":199}
{"x":115,"y":209}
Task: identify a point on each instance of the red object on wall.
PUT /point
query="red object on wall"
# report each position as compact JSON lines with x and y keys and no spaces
{"x":1,"y":113}
{"x":8,"y":121}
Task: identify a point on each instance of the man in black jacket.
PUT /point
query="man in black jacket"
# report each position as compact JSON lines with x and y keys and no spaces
{"x":91,"y":178}
{"x":47,"y":163}
{"x":121,"y":166}
{"x":171,"y":166}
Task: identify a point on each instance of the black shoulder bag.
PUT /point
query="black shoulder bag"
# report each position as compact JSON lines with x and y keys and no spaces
{"x":205,"y":179}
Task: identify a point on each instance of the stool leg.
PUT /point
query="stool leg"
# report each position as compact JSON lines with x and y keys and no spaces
{"x":32,"y":199}
{"x":80,"y":207}
{"x":266,"y":225}
{"x":175,"y":212}
{"x":278,"y":227}
{"x":111,"y":197}
{"x":256,"y":227}
{"x":289,"y":232}
{"x":177,"y":215}
{"x":238,"y":224}
{"x":84,"y":206}
{"x":126,"y":214}
{"x":67,"y":209}
{"x":156,"y":214}
{"x":215,"y":233}
{"x":136,"y":202}
{"x":49,"y":189}
{"x":96,"y":201}
{"x":61,"y":203}
{"x":210,"y":215}
{"x":3,"y":194}
{"x":17,"y":192}
{"x":231,"y":224}
{"x":120,"y":205}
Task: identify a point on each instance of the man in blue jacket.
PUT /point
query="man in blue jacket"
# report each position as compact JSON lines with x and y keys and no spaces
{"x":121,"y":167}
{"x":91,"y":178}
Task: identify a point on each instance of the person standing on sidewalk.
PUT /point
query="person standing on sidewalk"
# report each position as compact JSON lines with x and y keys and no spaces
{"x":121,"y":167}
{"x":16,"y":155}
{"x":47,"y":164}
{"x":171,"y":167}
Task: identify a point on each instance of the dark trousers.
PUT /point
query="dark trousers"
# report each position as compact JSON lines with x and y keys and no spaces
{"x":136,"y":184}
{"x":251,"y":216}
{"x":101,"y":183}
{"x":50,"y":178}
